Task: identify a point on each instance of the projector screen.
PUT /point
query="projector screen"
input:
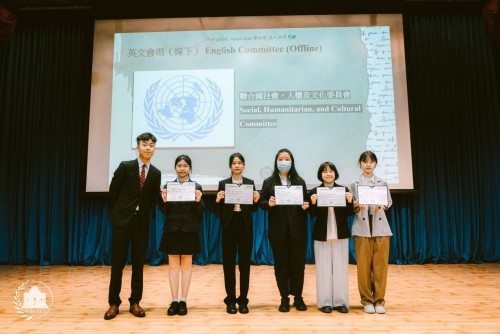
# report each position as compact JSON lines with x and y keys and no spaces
{"x":325,"y":87}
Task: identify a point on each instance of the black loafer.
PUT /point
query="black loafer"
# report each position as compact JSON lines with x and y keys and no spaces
{"x":285,"y":305}
{"x":341,"y":309}
{"x":243,"y":309}
{"x":173,"y":309}
{"x":299,"y":304}
{"x":231,"y":308}
{"x":326,"y":309}
{"x":182,"y":308}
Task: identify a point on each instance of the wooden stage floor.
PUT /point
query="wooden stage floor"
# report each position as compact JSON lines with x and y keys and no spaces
{"x":420,"y":299}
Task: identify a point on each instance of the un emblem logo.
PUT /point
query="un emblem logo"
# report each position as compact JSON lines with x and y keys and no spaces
{"x":183,"y":105}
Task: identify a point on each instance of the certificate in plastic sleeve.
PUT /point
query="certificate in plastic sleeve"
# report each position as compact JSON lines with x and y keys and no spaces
{"x":238,"y":193}
{"x":181,"y":192}
{"x":288,"y":195}
{"x":372,"y":195}
{"x":331,"y":196}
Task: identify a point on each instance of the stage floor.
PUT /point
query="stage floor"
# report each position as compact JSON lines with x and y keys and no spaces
{"x":419,"y":299}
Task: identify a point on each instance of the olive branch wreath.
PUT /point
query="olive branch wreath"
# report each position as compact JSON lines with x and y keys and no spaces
{"x":202,"y":132}
{"x":17,"y":302}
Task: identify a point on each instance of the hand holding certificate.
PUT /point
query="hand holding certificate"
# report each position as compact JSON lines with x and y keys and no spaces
{"x":331,"y":196}
{"x":181,"y":192}
{"x":374,"y":195}
{"x":238,"y":193}
{"x":289,"y":195}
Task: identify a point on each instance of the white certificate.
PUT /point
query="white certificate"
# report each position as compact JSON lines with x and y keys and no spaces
{"x":238,"y":193}
{"x":372,"y":195}
{"x":334,"y":196}
{"x":181,"y":192}
{"x":288,"y":195}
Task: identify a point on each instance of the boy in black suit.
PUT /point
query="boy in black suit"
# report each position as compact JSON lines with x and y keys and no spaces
{"x":133,"y":193}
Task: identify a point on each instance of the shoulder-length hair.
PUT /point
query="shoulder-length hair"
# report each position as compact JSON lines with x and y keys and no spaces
{"x":323,"y":166}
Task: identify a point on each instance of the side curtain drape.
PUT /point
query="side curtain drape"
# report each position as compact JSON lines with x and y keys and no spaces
{"x":454,"y":122}
{"x":452,"y":217}
{"x":44,"y":102}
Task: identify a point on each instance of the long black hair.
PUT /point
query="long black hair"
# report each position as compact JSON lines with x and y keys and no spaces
{"x":293,"y":175}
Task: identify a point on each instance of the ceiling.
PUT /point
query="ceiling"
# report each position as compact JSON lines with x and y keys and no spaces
{"x":103,"y":9}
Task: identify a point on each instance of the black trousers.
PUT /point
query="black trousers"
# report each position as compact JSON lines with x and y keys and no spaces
{"x":237,"y":240}
{"x":137,"y":236}
{"x":289,"y":265}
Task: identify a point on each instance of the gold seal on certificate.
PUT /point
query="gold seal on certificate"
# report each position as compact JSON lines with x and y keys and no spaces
{"x":331,"y":196}
{"x":181,"y":192}
{"x":288,"y":195}
{"x":373,"y":195}
{"x":238,"y":193}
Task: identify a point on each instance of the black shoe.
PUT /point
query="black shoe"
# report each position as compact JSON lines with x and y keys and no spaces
{"x":182,"y":308}
{"x":341,"y":309}
{"x":285,"y":305}
{"x":299,"y":304}
{"x":231,"y":308}
{"x":243,"y":308}
{"x":326,"y":309}
{"x":173,"y":309}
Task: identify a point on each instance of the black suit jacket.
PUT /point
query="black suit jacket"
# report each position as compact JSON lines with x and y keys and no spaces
{"x":125,"y":193}
{"x":183,"y":216}
{"x":321,"y":214}
{"x":284,"y":217}
{"x":225,"y":212}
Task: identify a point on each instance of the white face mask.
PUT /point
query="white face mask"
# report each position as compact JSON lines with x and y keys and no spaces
{"x":284,"y":166}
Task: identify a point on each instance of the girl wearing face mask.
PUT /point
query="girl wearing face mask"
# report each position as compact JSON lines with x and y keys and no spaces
{"x":372,"y":234}
{"x":331,"y":245}
{"x":287,"y":231}
{"x":180,"y":236}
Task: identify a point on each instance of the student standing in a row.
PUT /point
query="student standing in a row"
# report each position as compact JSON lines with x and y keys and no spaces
{"x":287,"y":231}
{"x":372,"y":235}
{"x":237,"y":236}
{"x":331,"y":245}
{"x":180,"y":236}
{"x":133,"y":193}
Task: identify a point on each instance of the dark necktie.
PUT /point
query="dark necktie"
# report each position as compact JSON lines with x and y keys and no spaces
{"x":143,"y":176}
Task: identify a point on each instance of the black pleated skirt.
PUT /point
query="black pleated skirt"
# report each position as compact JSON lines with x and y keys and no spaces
{"x":180,"y":243}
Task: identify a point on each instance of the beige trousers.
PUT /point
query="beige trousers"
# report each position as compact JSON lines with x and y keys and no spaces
{"x":372,"y":257}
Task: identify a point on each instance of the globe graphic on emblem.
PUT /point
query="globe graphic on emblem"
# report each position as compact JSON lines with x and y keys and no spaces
{"x":183,"y":104}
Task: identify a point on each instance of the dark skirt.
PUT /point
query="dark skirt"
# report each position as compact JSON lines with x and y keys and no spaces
{"x":180,"y":243}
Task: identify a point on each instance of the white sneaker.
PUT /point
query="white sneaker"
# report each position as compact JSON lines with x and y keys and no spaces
{"x":369,"y":309}
{"x":380,"y":309}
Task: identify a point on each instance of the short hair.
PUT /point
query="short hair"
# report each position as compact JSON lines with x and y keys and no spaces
{"x":236,"y":155}
{"x":145,"y":137}
{"x":323,"y":166}
{"x":367,"y":155}
{"x":185,"y":158}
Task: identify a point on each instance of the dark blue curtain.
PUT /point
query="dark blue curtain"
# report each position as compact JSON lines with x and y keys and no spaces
{"x":452,"y":217}
{"x":454,"y":121}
